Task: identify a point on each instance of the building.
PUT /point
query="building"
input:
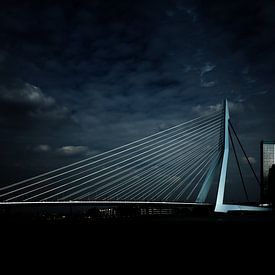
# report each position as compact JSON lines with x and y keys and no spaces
{"x":271,"y":185}
{"x":267,"y":161}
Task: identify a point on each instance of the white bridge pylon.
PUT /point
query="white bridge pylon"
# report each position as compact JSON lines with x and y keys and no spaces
{"x":220,"y":205}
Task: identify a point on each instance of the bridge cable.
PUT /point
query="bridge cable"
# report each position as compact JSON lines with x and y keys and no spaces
{"x":151,"y":185}
{"x":150,"y":175}
{"x":186,"y":187}
{"x":112,"y":171}
{"x":179,"y":169}
{"x":238,"y":164}
{"x":206,"y":162}
{"x":41,"y":181}
{"x":147,"y":173}
{"x":105,"y":153}
{"x":218,"y":156}
{"x":155,"y":187}
{"x":257,"y":179}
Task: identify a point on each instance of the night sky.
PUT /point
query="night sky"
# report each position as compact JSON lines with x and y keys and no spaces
{"x":80,"y":77}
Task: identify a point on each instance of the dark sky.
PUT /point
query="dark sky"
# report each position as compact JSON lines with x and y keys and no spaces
{"x":80,"y":77}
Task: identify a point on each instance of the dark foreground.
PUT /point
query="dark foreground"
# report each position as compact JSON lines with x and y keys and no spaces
{"x":227,"y":219}
{"x":132,"y":215}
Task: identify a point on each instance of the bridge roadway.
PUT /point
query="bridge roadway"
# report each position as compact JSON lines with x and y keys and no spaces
{"x":141,"y":204}
{"x":114,"y":203}
{"x":59,"y":206}
{"x":109,"y":203}
{"x":135,"y":212}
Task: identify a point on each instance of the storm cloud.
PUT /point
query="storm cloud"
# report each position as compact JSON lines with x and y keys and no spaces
{"x":81,"y":77}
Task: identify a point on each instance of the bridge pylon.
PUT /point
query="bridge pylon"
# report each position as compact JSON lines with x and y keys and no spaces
{"x":220,"y":205}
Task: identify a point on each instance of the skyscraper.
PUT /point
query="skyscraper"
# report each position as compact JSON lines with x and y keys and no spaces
{"x":267,"y":160}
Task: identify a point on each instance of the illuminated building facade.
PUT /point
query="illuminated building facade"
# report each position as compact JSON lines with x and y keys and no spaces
{"x":267,"y":161}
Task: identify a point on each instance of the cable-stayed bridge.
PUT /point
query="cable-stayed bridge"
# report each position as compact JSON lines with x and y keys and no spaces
{"x":176,"y":166}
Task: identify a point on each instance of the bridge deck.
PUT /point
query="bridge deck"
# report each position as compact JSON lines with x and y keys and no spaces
{"x":147,"y":203}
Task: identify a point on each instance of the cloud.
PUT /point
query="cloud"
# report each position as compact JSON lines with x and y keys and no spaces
{"x":250,"y":33}
{"x":207,"y":110}
{"x":125,"y":70}
{"x":19,"y":102}
{"x":251,"y":159}
{"x":207,"y":68}
{"x":28,"y":94}
{"x":43,"y":148}
{"x":234,"y":107}
{"x":208,"y":84}
{"x":73,"y":150}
